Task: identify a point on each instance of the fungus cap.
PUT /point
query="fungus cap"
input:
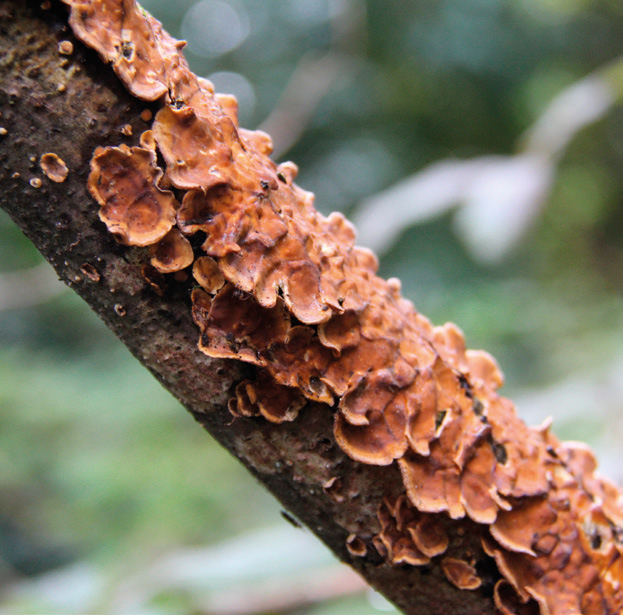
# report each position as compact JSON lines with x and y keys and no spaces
{"x":428,"y":535}
{"x":395,"y":518}
{"x":54,"y":167}
{"x":356,"y":546}
{"x":276,"y":403}
{"x":333,"y":488}
{"x":172,"y":253}
{"x":195,"y":156}
{"x":124,"y":181}
{"x":234,"y":326}
{"x":379,"y":442}
{"x":460,"y":573}
{"x":509,"y":603}
{"x":145,"y":57}
{"x":208,"y":275}
{"x":516,"y":529}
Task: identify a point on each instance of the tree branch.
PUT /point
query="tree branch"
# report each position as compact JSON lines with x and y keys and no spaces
{"x":286,"y":290}
{"x":70,"y":104}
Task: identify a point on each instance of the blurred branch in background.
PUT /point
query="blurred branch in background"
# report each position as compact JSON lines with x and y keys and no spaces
{"x":498,"y":197}
{"x":315,"y":73}
{"x":27,"y":287}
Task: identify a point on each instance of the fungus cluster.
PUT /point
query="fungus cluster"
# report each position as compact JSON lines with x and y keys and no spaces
{"x":285,"y":289}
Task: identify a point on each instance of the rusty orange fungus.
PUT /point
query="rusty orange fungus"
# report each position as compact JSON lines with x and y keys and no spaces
{"x":286,"y":289}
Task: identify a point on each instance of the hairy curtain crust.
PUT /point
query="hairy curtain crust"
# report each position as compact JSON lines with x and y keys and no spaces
{"x":285,"y":289}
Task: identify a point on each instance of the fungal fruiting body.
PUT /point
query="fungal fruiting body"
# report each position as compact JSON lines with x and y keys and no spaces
{"x":54,"y":167}
{"x":284,"y":288}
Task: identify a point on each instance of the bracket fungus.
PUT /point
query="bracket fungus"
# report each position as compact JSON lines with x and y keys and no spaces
{"x":172,"y":253}
{"x":124,"y":181}
{"x":54,"y":167}
{"x":285,"y":289}
{"x":460,"y":573}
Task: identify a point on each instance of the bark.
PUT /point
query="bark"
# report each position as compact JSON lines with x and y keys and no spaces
{"x":70,"y":104}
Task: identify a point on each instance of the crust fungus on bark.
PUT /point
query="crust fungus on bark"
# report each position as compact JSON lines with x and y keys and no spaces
{"x":286,"y":290}
{"x":403,"y":390}
{"x":124,"y":181}
{"x":54,"y":167}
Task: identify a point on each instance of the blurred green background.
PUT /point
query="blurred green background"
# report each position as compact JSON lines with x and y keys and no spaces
{"x":110,"y":495}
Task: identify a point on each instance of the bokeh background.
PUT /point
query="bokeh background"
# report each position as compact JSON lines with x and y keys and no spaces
{"x":479,"y":146}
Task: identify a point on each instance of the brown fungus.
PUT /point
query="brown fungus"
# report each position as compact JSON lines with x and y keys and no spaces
{"x":196,"y":157}
{"x":154,"y":278}
{"x":241,"y":405}
{"x":379,"y":442}
{"x":91,"y":272}
{"x":264,"y":397}
{"x":559,"y":550}
{"x":124,"y":181}
{"x":172,"y":253}
{"x":508,"y":602}
{"x":65,"y":48}
{"x":147,"y":140}
{"x":142,"y":54}
{"x":460,"y":573}
{"x":54,"y":167}
{"x":334,"y":489}
{"x":408,"y":535}
{"x":356,"y":546}
{"x":302,"y":302}
{"x":428,"y":535}
{"x":208,"y":275}
{"x":233,"y":326}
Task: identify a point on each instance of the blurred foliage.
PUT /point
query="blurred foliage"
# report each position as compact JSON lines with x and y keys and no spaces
{"x":97,"y":462}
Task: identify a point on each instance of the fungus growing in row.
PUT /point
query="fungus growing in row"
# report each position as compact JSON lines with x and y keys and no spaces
{"x":554,"y":549}
{"x":285,"y":289}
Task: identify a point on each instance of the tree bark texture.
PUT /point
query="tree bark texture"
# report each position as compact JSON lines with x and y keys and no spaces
{"x":68,"y":105}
